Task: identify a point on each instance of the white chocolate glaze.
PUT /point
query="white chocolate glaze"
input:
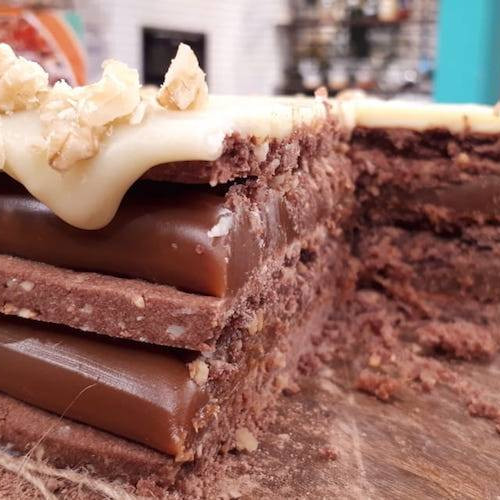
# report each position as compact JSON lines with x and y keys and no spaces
{"x":457,"y":118}
{"x":88,"y":194}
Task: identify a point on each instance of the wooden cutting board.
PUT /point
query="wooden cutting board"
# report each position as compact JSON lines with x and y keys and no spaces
{"x":419,"y":446}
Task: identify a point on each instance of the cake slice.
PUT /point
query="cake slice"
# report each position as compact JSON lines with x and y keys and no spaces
{"x":168,"y":257}
{"x":166,"y":260}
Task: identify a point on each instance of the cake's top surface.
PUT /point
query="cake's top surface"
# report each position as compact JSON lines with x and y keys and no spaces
{"x":78,"y":150}
{"x":457,"y":118}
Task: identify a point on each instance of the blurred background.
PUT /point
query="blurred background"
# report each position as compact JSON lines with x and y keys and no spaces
{"x":446,"y":50}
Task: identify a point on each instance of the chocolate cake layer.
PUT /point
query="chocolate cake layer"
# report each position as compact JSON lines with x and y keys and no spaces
{"x":142,"y":393}
{"x":444,"y":277}
{"x":105,"y":304}
{"x":427,"y":177}
{"x":244,"y":157}
{"x":432,"y":143}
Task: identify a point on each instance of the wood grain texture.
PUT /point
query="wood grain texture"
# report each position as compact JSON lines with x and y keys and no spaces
{"x":420,"y":446}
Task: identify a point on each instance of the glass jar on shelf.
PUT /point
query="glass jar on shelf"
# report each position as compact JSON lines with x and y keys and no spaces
{"x":364,"y":77}
{"x":338,"y":76}
{"x":310,"y":74}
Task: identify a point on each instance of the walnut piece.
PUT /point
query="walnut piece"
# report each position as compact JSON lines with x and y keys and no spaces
{"x":184,"y":86}
{"x":198,"y":371}
{"x":68,"y":140}
{"x":22,"y":82}
{"x":74,"y":120}
{"x":115,"y":95}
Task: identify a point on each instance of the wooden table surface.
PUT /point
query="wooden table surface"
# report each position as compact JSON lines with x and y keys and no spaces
{"x":419,"y":446}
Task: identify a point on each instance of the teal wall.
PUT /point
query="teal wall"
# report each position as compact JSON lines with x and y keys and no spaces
{"x":468,"y":59}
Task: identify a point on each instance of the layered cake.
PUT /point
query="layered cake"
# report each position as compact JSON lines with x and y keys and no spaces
{"x":168,"y":256}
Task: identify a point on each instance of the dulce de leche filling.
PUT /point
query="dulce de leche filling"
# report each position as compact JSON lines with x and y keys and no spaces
{"x":138,"y":392}
{"x":165,"y":234}
{"x":182,"y":236}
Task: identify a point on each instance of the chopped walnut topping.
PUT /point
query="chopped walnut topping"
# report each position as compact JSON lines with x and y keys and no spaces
{"x":21,"y":82}
{"x":68,"y":141}
{"x":245,"y":440}
{"x":198,"y":371}
{"x":115,"y":95}
{"x":75,"y":119}
{"x":184,"y":86}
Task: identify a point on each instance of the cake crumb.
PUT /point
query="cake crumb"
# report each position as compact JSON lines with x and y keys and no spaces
{"x":198,"y":371}
{"x":380,"y":386}
{"x":245,"y":440}
{"x":328,"y":453}
{"x":459,"y":339}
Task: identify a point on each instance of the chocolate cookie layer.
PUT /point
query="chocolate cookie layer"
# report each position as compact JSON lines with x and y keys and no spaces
{"x":432,"y":177}
{"x":243,"y":157}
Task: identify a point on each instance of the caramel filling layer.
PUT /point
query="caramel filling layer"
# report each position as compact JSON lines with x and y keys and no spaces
{"x":183,"y":236}
{"x":135,"y":391}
